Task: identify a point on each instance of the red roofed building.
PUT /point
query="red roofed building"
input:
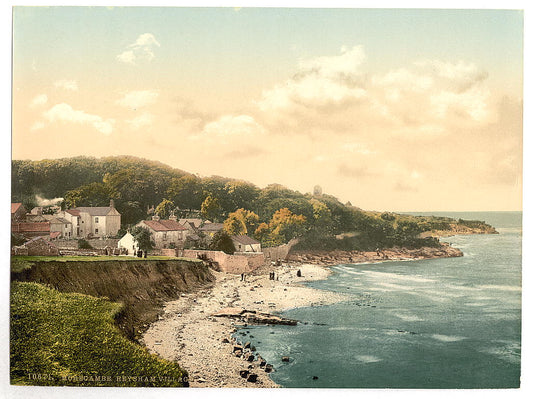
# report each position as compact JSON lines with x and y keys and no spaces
{"x":18,"y":212}
{"x":31,"y":229}
{"x":165,"y":233}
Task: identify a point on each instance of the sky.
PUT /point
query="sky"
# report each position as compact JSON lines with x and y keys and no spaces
{"x":390,"y":109}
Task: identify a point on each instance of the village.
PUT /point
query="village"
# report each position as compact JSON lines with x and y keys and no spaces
{"x":96,"y":231}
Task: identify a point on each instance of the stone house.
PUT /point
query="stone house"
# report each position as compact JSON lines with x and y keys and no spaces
{"x":244,"y":243}
{"x":165,"y":233}
{"x":210,"y":229}
{"x":62,"y":226}
{"x":99,"y":221}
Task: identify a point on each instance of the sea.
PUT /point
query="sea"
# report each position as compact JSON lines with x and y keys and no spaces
{"x":438,"y":323}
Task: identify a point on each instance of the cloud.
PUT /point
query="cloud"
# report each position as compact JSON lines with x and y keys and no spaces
{"x":37,"y":126}
{"x":39,"y":100}
{"x":65,"y":113}
{"x":143,"y":120}
{"x":138,"y":99}
{"x":233,"y":126}
{"x":356,"y":171}
{"x":357,"y":148}
{"x":71,"y":85}
{"x":140,"y":51}
{"x":320,"y":82}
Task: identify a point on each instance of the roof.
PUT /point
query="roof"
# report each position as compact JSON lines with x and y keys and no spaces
{"x":15,"y":206}
{"x":30,"y":227}
{"x":73,"y":212}
{"x":193,"y":222}
{"x":34,"y":239}
{"x":245,"y":240}
{"x":59,"y":220}
{"x":55,"y":234}
{"x":212,"y":227}
{"x":94,"y":210}
{"x":164,"y":225}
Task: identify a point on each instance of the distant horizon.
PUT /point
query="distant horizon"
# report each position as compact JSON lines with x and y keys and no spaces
{"x":302,"y":192}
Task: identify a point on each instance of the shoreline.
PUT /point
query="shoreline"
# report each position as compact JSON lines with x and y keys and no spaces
{"x":189,"y":334}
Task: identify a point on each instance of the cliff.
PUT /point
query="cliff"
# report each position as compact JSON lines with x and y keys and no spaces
{"x":142,"y":286}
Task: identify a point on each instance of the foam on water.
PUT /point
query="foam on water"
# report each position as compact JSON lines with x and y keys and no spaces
{"x":446,"y":338}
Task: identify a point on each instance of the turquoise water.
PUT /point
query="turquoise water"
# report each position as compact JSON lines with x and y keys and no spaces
{"x":440,"y":323}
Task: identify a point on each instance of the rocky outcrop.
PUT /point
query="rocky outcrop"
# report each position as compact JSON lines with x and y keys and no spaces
{"x":253,"y":317}
{"x":389,"y":254}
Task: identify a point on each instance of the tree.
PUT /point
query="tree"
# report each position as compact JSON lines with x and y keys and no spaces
{"x":210,"y":208}
{"x":242,"y":194}
{"x":222,"y":241}
{"x":186,"y":192}
{"x":164,"y":209}
{"x":143,"y":238}
{"x":92,"y":194}
{"x":240,"y":222}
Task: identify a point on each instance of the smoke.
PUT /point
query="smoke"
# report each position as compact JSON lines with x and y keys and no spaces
{"x":47,"y":202}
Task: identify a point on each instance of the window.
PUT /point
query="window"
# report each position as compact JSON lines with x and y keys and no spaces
{"x":66,"y":226}
{"x":95,"y":220}
{"x":164,"y":236}
{"x":95,"y":231}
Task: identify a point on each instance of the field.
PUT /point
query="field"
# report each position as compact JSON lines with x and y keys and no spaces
{"x":71,"y":339}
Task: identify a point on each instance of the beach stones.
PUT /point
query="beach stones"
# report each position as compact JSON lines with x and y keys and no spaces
{"x":268,"y":368}
{"x":285,"y":359}
{"x":252,"y":378}
{"x":244,"y":373}
{"x":247,"y":345}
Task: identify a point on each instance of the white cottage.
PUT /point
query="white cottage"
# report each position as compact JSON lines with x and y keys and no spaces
{"x":129,"y":243}
{"x":245,"y":244}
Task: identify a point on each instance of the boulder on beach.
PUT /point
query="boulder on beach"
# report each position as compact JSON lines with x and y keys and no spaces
{"x":252,"y":378}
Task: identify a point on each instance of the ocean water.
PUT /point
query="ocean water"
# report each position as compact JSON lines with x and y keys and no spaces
{"x":440,"y":323}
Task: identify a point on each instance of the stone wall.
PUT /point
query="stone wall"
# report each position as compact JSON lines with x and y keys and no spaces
{"x":279,"y":252}
{"x":95,"y":243}
{"x":237,"y":263}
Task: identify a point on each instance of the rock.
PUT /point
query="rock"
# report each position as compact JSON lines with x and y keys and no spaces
{"x":247,"y":345}
{"x":315,"y":377}
{"x":250,"y":358}
{"x":229,"y":312}
{"x":237,"y":348}
{"x":201,"y":380}
{"x":238,"y":353}
{"x":262,"y":363}
{"x":268,"y":368}
{"x":225,"y":341}
{"x":244,"y":373}
{"x":252,"y":378}
{"x":285,"y":359}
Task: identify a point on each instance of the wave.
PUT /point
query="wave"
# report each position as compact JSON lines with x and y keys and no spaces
{"x":367,"y":359}
{"x":408,"y":317}
{"x":447,"y":338}
{"x":394,"y":276}
{"x":501,"y":287}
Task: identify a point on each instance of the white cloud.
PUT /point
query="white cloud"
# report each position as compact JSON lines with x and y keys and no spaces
{"x":229,"y":125}
{"x":138,"y":99}
{"x":65,"y":113}
{"x":37,"y":126}
{"x":140,"y":50}
{"x":67,"y":84}
{"x":143,"y":120}
{"x":39,"y":100}
{"x":320,"y":82}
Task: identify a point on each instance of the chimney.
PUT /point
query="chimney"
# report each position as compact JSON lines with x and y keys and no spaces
{"x":172,"y":216}
{"x":156,"y":217}
{"x":111,"y":203}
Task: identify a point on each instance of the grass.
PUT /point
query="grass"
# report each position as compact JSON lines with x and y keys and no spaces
{"x":102,"y":258}
{"x":71,"y":339}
